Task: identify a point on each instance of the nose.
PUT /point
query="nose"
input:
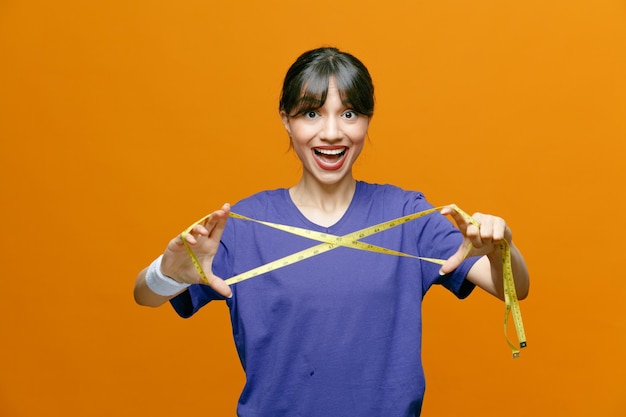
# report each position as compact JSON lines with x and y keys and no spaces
{"x":331,"y":129}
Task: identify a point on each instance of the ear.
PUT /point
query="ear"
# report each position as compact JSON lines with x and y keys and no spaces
{"x":285,"y":120}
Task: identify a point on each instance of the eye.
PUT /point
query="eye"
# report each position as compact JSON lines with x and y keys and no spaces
{"x":350,"y":114}
{"x":311,"y":114}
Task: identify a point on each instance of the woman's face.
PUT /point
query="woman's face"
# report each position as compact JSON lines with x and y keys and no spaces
{"x":328,"y":139}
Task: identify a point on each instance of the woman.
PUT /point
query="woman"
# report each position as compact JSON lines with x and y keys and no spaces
{"x":338,"y":334}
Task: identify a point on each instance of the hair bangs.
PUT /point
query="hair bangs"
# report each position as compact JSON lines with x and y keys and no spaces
{"x":306,"y":84}
{"x":354,"y":90}
{"x":313,"y":93}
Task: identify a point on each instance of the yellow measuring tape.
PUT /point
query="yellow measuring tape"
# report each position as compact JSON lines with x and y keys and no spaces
{"x":353,"y":240}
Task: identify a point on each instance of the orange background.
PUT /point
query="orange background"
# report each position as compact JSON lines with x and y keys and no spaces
{"x":122,"y":122}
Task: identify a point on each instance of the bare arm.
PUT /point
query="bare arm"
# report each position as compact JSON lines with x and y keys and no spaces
{"x":487,"y":274}
{"x":144,"y":296}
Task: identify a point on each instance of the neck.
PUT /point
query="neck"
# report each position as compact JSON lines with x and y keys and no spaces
{"x":323,"y":204}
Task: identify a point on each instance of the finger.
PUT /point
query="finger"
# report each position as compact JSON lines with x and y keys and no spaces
{"x":500,"y":229}
{"x":193,"y":235}
{"x":219,"y":222}
{"x":216,"y":217}
{"x":462,"y":220}
{"x":492,"y":229}
{"x":473,"y":233}
{"x":455,"y":260}
{"x":199,"y":230}
{"x":178,"y":240}
{"x":447,"y":210}
{"x":221,"y":287}
{"x":479,"y":233}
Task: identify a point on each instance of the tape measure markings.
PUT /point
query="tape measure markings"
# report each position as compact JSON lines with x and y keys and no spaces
{"x":329,"y":238}
{"x":352,"y":240}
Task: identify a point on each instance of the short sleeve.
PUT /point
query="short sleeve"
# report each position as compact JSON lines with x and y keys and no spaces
{"x":456,"y":281}
{"x":439,"y":238}
{"x":187,"y":303}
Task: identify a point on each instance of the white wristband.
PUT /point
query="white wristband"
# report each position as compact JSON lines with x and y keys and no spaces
{"x":161,"y":284}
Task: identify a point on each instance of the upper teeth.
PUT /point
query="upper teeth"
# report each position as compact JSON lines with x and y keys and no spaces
{"x":330,"y":151}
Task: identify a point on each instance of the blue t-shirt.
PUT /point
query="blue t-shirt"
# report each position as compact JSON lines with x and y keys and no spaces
{"x":338,"y":334}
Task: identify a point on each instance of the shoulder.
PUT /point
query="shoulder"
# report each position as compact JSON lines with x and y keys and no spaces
{"x":393,"y":195}
{"x":262,"y":205}
{"x":385,"y":189}
{"x":260,"y":201}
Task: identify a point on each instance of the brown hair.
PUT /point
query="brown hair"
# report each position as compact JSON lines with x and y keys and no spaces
{"x":306,"y":83}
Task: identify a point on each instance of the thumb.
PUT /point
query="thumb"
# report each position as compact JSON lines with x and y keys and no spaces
{"x":455,"y":260}
{"x":219,"y":286}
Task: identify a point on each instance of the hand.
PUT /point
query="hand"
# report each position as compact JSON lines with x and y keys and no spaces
{"x":481,"y":237}
{"x":204,"y":240}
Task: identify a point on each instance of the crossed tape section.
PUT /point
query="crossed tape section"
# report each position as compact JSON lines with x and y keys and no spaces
{"x":353,"y":240}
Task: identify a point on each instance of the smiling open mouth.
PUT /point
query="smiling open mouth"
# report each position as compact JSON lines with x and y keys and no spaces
{"x":330,"y":155}
{"x":330,"y":158}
